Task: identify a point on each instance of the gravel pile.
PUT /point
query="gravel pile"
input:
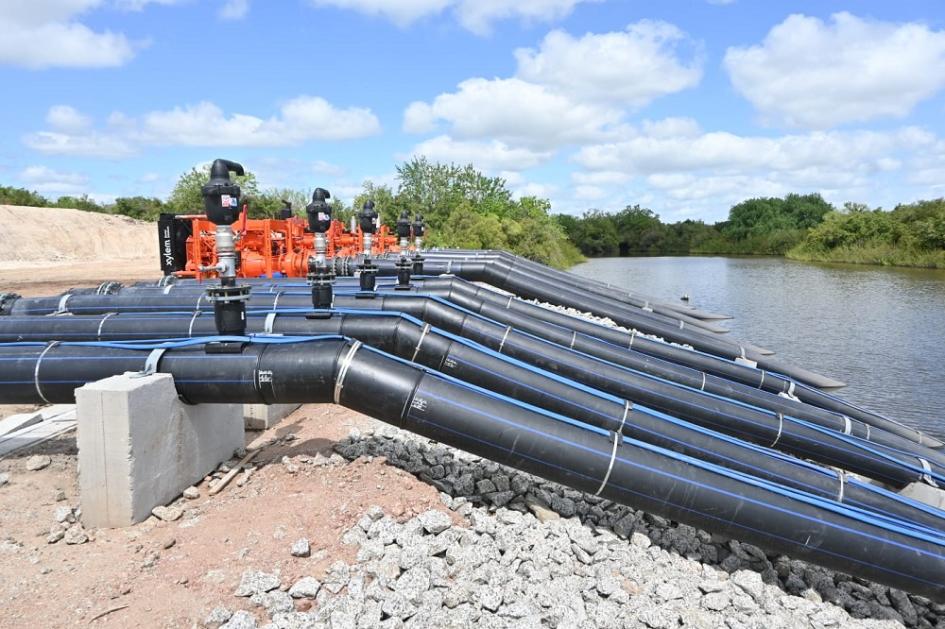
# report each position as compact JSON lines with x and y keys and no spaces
{"x":536,"y":554}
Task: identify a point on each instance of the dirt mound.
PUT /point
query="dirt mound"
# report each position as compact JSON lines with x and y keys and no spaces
{"x":47,"y":236}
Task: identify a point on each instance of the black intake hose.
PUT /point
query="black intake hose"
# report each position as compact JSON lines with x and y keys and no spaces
{"x":638,"y":475}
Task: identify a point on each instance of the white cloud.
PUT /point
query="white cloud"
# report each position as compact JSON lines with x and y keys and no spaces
{"x":722,"y":151}
{"x":632,"y":67}
{"x":419,"y":118}
{"x":814,"y":74}
{"x":489,"y":156}
{"x":534,"y":189}
{"x":48,"y":181}
{"x":45,"y":33}
{"x":302,"y":119}
{"x":234,"y":10}
{"x":401,"y":12}
{"x":476,"y":15}
{"x":66,"y":118}
{"x":518,"y":112}
{"x":689,"y":172}
{"x":140,"y":5}
{"x":321,"y":167}
{"x":568,"y":91}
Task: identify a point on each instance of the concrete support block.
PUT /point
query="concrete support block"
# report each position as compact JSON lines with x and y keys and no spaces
{"x":264,"y":416}
{"x":923,"y":492}
{"x":140,"y":446}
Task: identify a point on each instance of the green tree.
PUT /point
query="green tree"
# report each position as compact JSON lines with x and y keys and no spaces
{"x":20,"y":196}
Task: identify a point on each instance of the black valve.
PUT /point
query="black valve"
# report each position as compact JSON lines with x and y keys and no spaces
{"x":367,"y":218}
{"x":418,"y":226}
{"x":221,"y":197}
{"x":319,"y":211}
{"x":403,"y":225}
{"x":286,"y":212}
{"x":320,"y":278}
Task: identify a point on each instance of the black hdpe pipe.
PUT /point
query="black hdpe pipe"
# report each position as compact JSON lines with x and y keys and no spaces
{"x":532,"y":287}
{"x":448,"y":317}
{"x":635,"y":474}
{"x":180,"y":298}
{"x":627,"y":349}
{"x":589,"y":284}
{"x":888,"y":462}
{"x":564,"y":294}
{"x":412,"y":340}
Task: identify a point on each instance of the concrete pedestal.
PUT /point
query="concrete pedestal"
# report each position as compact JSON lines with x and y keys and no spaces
{"x":140,"y":446}
{"x":923,"y":492}
{"x":265,"y":416}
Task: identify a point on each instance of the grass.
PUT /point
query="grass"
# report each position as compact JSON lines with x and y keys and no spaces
{"x":881,"y":254}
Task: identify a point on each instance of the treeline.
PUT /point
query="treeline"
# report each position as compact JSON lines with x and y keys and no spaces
{"x":756,"y":226}
{"x":803,"y":227}
{"x":185,"y":199}
{"x":462,"y":208}
{"x":908,"y":235}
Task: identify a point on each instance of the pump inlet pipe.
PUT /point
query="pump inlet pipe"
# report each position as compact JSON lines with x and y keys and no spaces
{"x":320,"y":273}
{"x":367,"y":271}
{"x":221,"y":200}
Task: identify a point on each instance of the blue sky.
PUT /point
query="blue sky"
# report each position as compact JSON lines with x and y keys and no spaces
{"x":684,"y":106}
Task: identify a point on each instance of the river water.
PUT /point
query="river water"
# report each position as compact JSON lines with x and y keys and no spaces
{"x":880,"y":330}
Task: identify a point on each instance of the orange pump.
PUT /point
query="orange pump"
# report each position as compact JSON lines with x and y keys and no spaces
{"x":265,"y":247}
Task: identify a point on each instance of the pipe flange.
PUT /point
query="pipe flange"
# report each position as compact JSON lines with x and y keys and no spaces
{"x":227,"y":294}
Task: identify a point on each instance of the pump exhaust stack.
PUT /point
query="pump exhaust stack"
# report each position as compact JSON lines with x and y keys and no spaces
{"x":221,"y":200}
{"x":319,"y":274}
{"x":367,"y":219}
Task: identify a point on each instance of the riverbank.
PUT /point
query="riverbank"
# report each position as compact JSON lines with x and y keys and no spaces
{"x":876,"y":255}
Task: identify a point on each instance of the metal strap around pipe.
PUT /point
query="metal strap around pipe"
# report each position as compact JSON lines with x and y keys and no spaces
{"x":504,"y":336}
{"x":39,"y":389}
{"x":345,"y":363}
{"x":633,"y":335}
{"x":702,"y":388}
{"x":275,"y":302}
{"x":627,"y":407}
{"x":98,"y":333}
{"x":152,"y":361}
{"x":842,"y":476}
{"x":927,"y":477}
{"x":61,"y":308}
{"x":190,"y":328}
{"x":167,"y":289}
{"x":573,"y":339}
{"x":780,"y":428}
{"x":509,"y":304}
{"x":423,"y":335}
{"x":270,"y":319}
{"x":847,"y":425}
{"x":610,"y":466}
{"x":762,"y":383}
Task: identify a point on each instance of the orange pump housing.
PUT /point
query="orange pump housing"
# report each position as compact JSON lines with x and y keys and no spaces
{"x":270,"y":247}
